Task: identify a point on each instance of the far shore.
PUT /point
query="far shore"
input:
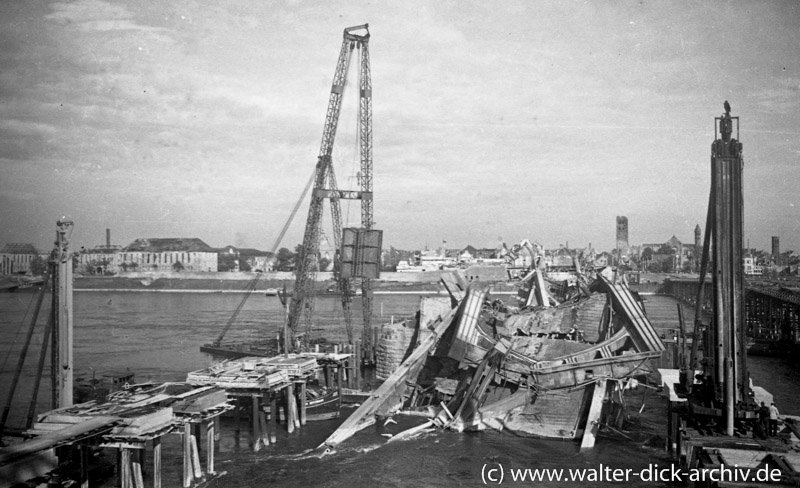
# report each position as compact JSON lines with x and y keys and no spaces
{"x":423,"y":284}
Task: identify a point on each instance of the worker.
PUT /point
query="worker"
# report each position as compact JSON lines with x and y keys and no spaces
{"x":763,"y":420}
{"x":773,"y":420}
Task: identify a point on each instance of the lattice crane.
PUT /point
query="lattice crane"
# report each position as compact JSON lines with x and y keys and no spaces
{"x":351,"y":260}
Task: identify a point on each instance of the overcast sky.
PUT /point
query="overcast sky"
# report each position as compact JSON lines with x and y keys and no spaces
{"x":492,"y":120}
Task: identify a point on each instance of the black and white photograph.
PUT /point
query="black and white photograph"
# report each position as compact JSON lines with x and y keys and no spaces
{"x":428,"y":243}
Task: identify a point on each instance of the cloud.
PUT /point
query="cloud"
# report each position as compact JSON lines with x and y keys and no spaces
{"x":95,"y":16}
{"x":489,"y":121}
{"x":27,"y":128}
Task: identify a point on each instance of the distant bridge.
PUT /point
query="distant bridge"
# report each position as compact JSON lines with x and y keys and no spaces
{"x":772,"y":311}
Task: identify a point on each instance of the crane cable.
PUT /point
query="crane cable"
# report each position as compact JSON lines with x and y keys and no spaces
{"x":17,"y":334}
{"x":252,"y":285}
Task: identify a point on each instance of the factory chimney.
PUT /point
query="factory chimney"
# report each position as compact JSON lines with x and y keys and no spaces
{"x":108,"y":238}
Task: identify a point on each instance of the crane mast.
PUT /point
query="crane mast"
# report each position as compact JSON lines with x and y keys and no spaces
{"x":326,"y":187}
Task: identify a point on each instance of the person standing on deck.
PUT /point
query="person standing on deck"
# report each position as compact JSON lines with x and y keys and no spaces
{"x":773,"y":420}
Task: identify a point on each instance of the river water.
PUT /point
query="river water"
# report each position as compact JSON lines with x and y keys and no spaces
{"x":158,"y":335}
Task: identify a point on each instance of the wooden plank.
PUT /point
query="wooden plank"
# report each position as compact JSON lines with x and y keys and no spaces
{"x":135,"y":423}
{"x":593,"y":419}
{"x":49,"y":440}
{"x":406,"y":434}
{"x":390,"y":393}
{"x":201,"y":401}
{"x":50,"y":426}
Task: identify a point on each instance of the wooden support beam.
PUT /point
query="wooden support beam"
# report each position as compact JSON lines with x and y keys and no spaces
{"x":237,"y":419}
{"x":196,"y":428}
{"x":211,"y":437}
{"x":136,"y":469}
{"x":593,"y":419}
{"x":303,"y":403}
{"x":83,"y":451}
{"x":118,"y":456}
{"x":140,"y":453}
{"x":273,"y":419}
{"x":157,"y":462}
{"x":296,"y":406}
{"x":125,"y":476}
{"x":197,"y":470}
{"x":263,"y":435}
{"x":289,"y":398}
{"x":255,"y":432}
{"x":187,"y":456}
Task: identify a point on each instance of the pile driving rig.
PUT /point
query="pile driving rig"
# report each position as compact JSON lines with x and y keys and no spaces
{"x":722,"y":391}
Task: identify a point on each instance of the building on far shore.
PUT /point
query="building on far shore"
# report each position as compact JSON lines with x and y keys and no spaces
{"x":245,"y":259}
{"x":683,"y":257}
{"x":16,"y":258}
{"x":100,"y":260}
{"x":168,"y":254}
{"x":154,"y":254}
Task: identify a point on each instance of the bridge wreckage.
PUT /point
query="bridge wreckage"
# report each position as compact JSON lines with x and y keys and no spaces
{"x":546,"y":367}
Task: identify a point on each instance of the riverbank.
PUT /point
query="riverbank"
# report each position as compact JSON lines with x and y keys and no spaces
{"x":242,"y":283}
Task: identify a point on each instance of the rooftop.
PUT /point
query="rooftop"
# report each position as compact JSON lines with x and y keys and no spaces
{"x":16,"y":248}
{"x":244,"y":251}
{"x":184,"y":244}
